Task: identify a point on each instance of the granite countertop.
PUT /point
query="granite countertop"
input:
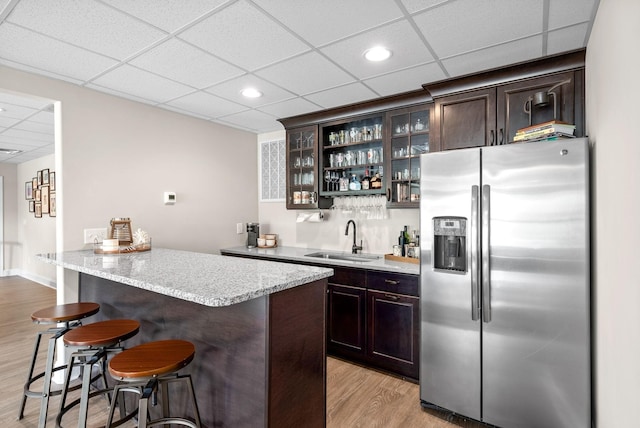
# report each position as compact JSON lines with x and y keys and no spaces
{"x":297,"y":254}
{"x":208,"y":279}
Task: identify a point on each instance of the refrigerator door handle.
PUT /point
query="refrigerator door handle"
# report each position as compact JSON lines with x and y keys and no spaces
{"x":475,"y":247}
{"x":486,"y":279}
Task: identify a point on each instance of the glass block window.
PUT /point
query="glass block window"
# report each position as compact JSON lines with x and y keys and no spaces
{"x":272,"y":171}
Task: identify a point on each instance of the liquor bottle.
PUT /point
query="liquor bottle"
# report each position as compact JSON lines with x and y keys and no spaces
{"x":366,"y":180}
{"x":401,"y":242}
{"x":344,"y":182}
{"x":354,"y":184}
{"x":376,"y":181}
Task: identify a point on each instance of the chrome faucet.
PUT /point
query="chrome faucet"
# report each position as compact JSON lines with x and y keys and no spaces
{"x":354,"y":247}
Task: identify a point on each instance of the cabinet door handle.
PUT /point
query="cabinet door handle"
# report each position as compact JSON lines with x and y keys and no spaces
{"x":492,"y":139}
{"x":388,"y":194}
{"x":314,"y":197}
{"x":501,"y":136}
{"x":391,"y":297}
{"x":391,"y":281}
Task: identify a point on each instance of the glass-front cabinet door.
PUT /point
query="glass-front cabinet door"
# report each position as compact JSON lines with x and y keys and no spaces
{"x":302,"y":167}
{"x":352,"y":157}
{"x":409,"y":138}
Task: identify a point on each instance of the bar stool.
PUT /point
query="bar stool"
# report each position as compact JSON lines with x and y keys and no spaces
{"x":146,"y":368}
{"x":66,"y":317}
{"x":95,"y":341}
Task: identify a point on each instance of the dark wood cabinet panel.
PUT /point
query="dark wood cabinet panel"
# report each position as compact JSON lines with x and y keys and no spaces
{"x":465,"y":120}
{"x":393,"y":325}
{"x":346,"y":320}
{"x":488,"y":108}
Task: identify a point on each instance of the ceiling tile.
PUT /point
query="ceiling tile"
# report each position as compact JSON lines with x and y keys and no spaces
{"x":466,"y":25}
{"x":36,"y":127}
{"x":87,"y":24}
{"x":414,"y":6}
{"x":23,"y":100}
{"x":168,"y":15}
{"x":42,"y":117}
{"x":508,"y":53}
{"x":405,"y":80}
{"x":347,"y":94}
{"x":244,"y":36}
{"x":169,"y":58}
{"x":16,"y":112}
{"x":27,"y":137}
{"x":206,"y":104}
{"x":143,"y":84}
{"x":406,"y":46}
{"x":569,"y":12}
{"x":566,"y":39}
{"x":320,"y":22}
{"x":230,"y":90}
{"x":40,"y":71}
{"x":253,"y":120}
{"x":305,"y":74}
{"x":26,"y":47}
{"x":292,"y":107}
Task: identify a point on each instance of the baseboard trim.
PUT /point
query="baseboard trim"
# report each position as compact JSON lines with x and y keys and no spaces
{"x":31,"y":277}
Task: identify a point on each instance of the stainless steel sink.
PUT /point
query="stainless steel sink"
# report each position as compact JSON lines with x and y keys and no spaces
{"x":343,"y":256}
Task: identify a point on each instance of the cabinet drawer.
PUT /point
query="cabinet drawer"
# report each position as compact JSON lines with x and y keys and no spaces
{"x":353,"y":277}
{"x":394,"y":283}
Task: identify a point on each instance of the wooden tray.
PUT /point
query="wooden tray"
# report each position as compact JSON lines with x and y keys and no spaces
{"x":124,"y":250}
{"x":402,"y":259}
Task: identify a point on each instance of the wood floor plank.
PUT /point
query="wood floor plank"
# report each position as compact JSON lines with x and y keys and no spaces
{"x":356,"y":396}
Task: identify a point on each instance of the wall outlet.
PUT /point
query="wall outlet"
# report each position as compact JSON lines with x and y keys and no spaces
{"x":91,"y":235}
{"x":239,"y":228}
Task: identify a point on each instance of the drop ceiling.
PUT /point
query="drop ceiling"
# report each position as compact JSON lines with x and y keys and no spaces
{"x":305,"y":55}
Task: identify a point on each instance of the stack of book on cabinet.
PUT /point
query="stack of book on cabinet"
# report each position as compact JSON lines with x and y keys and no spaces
{"x":550,"y":130}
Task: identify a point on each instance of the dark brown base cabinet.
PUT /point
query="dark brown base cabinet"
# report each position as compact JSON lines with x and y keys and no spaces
{"x":374,"y":319}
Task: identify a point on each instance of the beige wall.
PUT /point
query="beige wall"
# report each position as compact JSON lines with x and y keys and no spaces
{"x":117,"y":158}
{"x":612,"y":94}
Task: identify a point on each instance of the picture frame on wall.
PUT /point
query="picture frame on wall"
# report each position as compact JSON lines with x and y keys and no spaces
{"x":32,"y":206}
{"x":34,"y":180}
{"x":37,"y":194}
{"x":38,"y":210}
{"x":45,"y":197}
{"x":28,"y":190}
{"x":52,"y":205}
{"x":45,"y":177}
{"x":52,"y":181}
{"x":39,"y":177}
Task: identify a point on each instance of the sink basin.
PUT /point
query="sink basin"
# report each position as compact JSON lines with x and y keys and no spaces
{"x":343,"y":256}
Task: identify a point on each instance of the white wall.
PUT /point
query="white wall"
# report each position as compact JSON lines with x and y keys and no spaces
{"x":35,"y":235}
{"x":612,"y":94}
{"x":11,"y":197}
{"x":378,"y":235}
{"x":117,"y":158}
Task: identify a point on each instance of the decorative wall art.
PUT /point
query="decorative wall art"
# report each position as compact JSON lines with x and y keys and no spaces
{"x":40,"y":192}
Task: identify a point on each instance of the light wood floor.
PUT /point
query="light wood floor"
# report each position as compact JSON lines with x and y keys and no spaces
{"x":356,"y":397}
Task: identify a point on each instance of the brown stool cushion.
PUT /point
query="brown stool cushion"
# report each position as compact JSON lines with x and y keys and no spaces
{"x":102,"y":333}
{"x":152,"y":359}
{"x":67,"y":312}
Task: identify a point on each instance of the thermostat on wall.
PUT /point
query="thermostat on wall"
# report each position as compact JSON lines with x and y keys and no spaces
{"x":169,"y":198}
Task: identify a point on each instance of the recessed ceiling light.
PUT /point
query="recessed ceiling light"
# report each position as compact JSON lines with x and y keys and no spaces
{"x":9,"y":151}
{"x":377,"y":53}
{"x":251,"y":93}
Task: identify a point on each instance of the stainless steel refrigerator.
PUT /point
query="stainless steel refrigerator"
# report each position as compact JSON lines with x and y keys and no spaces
{"x":505,"y":289}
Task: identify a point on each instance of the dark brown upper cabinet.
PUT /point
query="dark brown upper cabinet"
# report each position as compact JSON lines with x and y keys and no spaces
{"x":488,"y":108}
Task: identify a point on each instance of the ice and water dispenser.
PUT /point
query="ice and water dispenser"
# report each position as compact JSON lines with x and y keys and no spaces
{"x":449,"y":244}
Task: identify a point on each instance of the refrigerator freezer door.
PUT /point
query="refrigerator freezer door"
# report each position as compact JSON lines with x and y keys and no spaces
{"x":450,"y":338}
{"x":536,"y":350}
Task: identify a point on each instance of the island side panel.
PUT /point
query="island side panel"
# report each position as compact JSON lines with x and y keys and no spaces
{"x":229,"y":370}
{"x":297,"y":357}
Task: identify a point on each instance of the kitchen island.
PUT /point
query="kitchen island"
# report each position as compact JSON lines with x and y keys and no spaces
{"x":258,"y":327}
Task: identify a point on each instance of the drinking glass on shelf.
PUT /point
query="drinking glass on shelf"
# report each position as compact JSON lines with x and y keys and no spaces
{"x":335,"y":178}
{"x":327,"y":179}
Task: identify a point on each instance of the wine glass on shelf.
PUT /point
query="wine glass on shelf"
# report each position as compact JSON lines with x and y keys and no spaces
{"x":327,"y":179}
{"x":334,"y":179}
